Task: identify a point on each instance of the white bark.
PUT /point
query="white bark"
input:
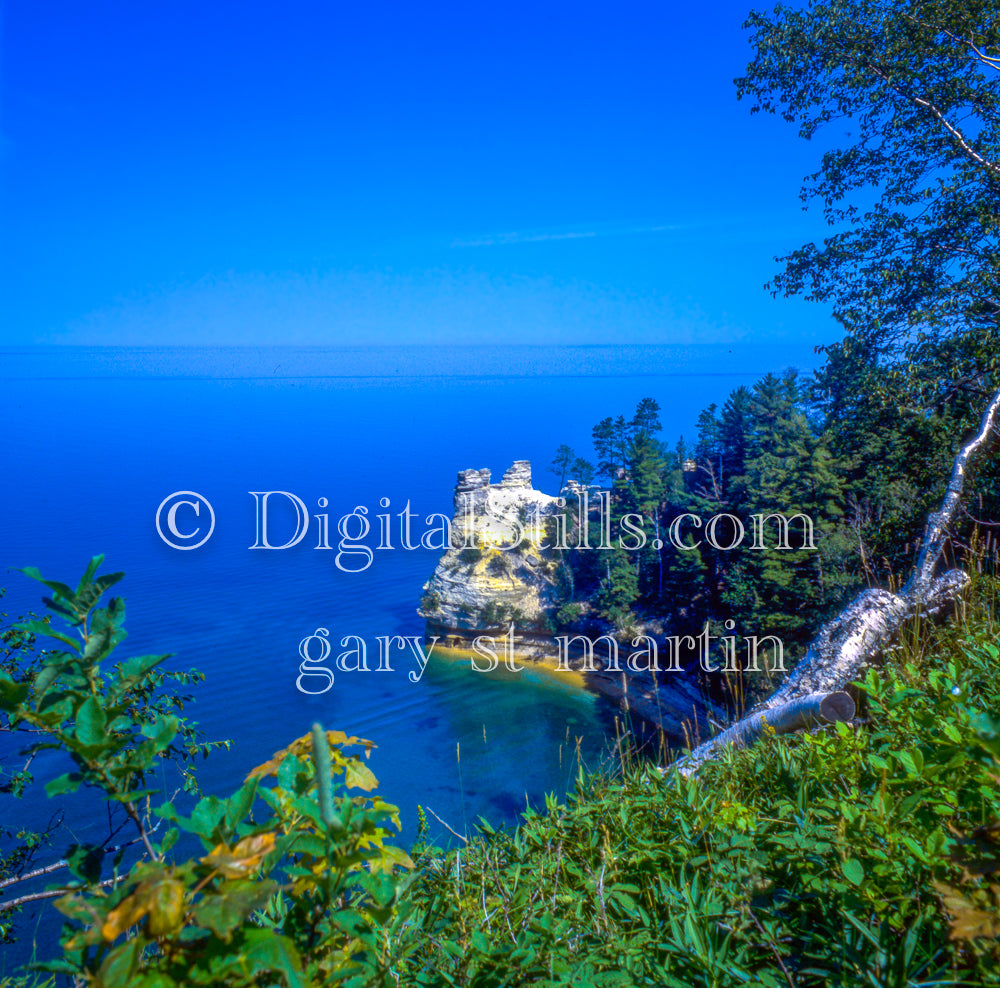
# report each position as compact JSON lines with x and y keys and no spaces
{"x":811,"y":710}
{"x":865,"y":627}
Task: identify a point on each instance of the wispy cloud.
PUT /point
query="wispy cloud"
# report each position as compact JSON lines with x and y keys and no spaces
{"x":539,"y":236}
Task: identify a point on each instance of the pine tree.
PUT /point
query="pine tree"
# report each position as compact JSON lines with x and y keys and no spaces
{"x":563,"y":460}
{"x":790,"y":472}
{"x":735,"y":427}
{"x":619,"y":590}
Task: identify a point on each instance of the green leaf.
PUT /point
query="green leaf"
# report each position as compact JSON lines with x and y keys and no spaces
{"x":154,"y":979}
{"x":69,"y":782}
{"x":85,"y":862}
{"x":239,"y":804}
{"x":106,"y":631}
{"x":135,"y":668}
{"x":12,"y":694}
{"x":54,"y":585}
{"x":119,"y":968}
{"x":169,"y":839}
{"x":88,"y":575}
{"x":90,"y":594}
{"x":853,"y":871}
{"x":228,"y":908}
{"x":90,"y":723}
{"x":206,"y":817}
{"x":162,"y":731}
{"x":44,"y":680}
{"x":264,"y":951}
{"x":44,"y":629}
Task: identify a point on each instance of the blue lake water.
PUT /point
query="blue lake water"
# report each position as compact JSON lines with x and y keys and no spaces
{"x":94,"y":439}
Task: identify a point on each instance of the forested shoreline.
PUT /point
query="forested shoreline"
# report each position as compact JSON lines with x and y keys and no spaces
{"x":863,"y":853}
{"x":841,"y":447}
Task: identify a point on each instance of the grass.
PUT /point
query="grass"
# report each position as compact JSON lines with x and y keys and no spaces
{"x":853,"y":856}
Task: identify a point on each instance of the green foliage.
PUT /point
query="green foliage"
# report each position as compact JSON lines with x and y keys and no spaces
{"x":562,"y":462}
{"x":909,"y":93}
{"x":298,"y":883}
{"x":19,"y":845}
{"x":863,"y":856}
{"x":582,"y":471}
{"x":293,"y":895}
{"x":499,"y":565}
{"x":470,"y":555}
{"x":619,"y":589}
{"x":851,"y":449}
{"x":568,"y":614}
{"x":765,"y":454}
{"x":853,"y":856}
{"x":118,"y":723}
{"x":494,"y":615}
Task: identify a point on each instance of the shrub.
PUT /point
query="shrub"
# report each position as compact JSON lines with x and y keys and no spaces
{"x":568,"y":614}
{"x":298,"y":883}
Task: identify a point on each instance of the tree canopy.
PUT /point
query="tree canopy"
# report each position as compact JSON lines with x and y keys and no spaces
{"x":905,"y":97}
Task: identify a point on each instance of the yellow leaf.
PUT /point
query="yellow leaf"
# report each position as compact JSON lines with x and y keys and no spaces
{"x":166,"y":912}
{"x":360,"y":776}
{"x":302,"y":748}
{"x":397,"y":856}
{"x":126,"y":914}
{"x":968,"y":922}
{"x":242,"y":859}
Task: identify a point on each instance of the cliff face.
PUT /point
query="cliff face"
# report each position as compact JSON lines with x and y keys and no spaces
{"x":495,"y":571}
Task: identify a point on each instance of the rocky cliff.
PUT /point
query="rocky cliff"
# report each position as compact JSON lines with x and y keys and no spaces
{"x":496,"y":570}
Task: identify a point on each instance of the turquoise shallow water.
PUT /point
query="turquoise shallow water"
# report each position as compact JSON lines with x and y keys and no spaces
{"x":97,"y":438}
{"x":100,"y":436}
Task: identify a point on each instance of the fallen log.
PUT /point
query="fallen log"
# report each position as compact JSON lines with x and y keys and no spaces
{"x":844,"y":645}
{"x":811,"y":710}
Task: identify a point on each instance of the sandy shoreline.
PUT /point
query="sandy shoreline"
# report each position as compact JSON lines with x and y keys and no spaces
{"x":674,"y":711}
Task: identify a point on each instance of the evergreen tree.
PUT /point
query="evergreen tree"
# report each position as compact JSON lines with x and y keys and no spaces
{"x":735,"y":427}
{"x":621,"y":439}
{"x":603,"y":436}
{"x":708,"y":455}
{"x":643,"y":496}
{"x":790,"y":471}
{"x":619,"y":590}
{"x":563,"y":460}
{"x":646,"y":421}
{"x":583,"y":471}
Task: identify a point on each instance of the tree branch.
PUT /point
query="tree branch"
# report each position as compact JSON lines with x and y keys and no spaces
{"x":49,"y":894}
{"x":443,"y":824}
{"x":926,"y":104}
{"x":981,"y":56}
{"x":62,"y":863}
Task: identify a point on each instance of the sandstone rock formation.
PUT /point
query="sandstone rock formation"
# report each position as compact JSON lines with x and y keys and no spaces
{"x":496,"y":570}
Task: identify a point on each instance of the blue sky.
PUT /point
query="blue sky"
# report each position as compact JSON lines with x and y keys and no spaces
{"x":326,"y":173}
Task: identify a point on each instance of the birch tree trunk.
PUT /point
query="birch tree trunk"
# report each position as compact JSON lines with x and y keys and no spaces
{"x":844,"y":645}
